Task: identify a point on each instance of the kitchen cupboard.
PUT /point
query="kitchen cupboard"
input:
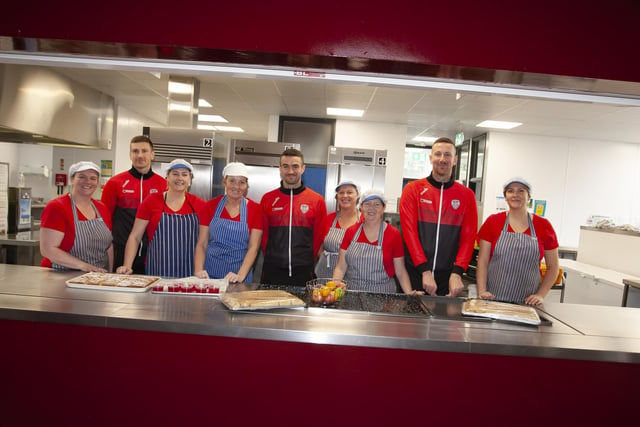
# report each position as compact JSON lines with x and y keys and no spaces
{"x":583,"y":288}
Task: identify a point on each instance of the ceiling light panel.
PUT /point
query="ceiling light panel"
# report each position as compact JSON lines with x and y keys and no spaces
{"x":496,"y":124}
{"x":345,"y":112}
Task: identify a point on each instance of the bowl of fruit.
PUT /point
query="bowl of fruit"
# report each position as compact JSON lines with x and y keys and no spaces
{"x":325,"y":291}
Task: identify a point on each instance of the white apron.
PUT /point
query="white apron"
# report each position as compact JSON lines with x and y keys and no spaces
{"x":92,"y":240}
{"x":514,"y":269}
{"x":365,"y":267}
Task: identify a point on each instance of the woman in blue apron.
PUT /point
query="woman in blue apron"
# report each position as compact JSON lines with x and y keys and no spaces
{"x":371,"y":253}
{"x":345,"y":216}
{"x":75,"y":231}
{"x":171,"y":222}
{"x":512,"y":244}
{"x":230,"y":230}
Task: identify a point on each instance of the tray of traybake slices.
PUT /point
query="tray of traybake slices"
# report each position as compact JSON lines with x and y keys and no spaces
{"x":113,"y":282}
{"x":191,"y":286}
{"x":501,"y":311}
{"x":262,"y":299}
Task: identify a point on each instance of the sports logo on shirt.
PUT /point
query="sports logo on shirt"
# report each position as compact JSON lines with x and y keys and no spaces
{"x":153,"y":191}
{"x":304,"y":208}
{"x":455,"y":204}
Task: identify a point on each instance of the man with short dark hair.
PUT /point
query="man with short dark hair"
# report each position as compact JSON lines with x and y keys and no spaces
{"x":124,"y":192}
{"x":293,"y":219}
{"x":439,"y":221}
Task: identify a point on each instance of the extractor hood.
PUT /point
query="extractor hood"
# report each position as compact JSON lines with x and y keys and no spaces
{"x":40,"y":106}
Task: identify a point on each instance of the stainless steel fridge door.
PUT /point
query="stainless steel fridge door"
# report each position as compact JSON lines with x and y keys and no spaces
{"x":262,"y":179}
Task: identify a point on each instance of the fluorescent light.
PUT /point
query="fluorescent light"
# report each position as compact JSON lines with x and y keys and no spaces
{"x":206,"y":127}
{"x":204,"y":103}
{"x":349,"y":112}
{"x":177,"y":87}
{"x":495,"y":124}
{"x":179,"y":106}
{"x":229,"y":128}
{"x":424,"y":138}
{"x":211,"y":118}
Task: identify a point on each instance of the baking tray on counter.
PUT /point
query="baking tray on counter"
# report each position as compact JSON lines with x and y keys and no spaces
{"x":261,"y":299}
{"x":113,"y":282}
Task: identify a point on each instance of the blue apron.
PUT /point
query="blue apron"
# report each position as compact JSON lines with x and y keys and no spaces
{"x":228,"y":243}
{"x":171,"y":249}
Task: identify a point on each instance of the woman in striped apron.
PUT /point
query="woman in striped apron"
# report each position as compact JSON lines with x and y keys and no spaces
{"x":371,"y":253}
{"x":511,"y":246}
{"x":171,"y":222}
{"x":346,"y":215}
{"x":230,"y":230}
{"x":75,"y":232}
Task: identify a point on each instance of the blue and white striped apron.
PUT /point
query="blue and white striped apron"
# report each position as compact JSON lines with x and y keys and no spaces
{"x":228,"y":243}
{"x":514,"y":269}
{"x":365,"y":266}
{"x":171,"y":249}
{"x":329,"y":257}
{"x":92,"y":240}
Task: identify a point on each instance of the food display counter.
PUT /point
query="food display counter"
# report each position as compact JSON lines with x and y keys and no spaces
{"x":102,"y":357}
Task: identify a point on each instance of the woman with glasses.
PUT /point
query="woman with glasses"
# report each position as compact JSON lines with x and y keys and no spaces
{"x":512,"y":244}
{"x":371,"y":253}
{"x":230,"y":230}
{"x":75,"y":232}
{"x":335,"y":225}
{"x":171,"y":222}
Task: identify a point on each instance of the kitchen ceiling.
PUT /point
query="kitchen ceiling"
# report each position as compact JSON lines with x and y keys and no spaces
{"x":247,"y":102}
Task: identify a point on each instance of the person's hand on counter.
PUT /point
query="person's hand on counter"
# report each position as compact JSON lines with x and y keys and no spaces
{"x":429,"y":283}
{"x":455,"y":285}
{"x":123,"y":269}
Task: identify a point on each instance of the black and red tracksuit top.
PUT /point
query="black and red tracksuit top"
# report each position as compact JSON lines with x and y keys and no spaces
{"x":123,"y":193}
{"x":439,"y":223}
{"x":293,"y":226}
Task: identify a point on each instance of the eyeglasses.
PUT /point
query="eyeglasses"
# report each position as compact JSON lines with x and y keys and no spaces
{"x":373,"y":204}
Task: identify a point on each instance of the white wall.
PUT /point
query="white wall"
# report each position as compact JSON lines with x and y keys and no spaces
{"x":577,"y":178}
{"x":383,"y":136}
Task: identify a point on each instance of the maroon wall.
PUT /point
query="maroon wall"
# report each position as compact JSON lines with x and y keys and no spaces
{"x":80,"y":376}
{"x":569,"y":37}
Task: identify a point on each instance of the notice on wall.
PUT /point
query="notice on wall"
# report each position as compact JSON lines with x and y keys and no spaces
{"x":540,"y":207}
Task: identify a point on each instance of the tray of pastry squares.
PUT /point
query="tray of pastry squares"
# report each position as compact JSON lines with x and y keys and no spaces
{"x":113,"y":282}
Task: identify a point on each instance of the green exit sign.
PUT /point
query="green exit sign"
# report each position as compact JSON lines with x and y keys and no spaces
{"x":459,"y":138}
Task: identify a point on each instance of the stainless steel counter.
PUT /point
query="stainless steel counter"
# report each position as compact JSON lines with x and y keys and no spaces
{"x":576,"y":331}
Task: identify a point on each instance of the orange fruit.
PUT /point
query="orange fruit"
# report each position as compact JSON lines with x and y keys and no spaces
{"x":331,"y":284}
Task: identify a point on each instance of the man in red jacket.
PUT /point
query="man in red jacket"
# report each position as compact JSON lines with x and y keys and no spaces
{"x":439,"y":221}
{"x":124,"y":192}
{"x":292,"y":231}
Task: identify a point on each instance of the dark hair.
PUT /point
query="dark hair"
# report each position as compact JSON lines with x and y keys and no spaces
{"x":142,"y":138}
{"x":444,"y":140}
{"x":292,"y":152}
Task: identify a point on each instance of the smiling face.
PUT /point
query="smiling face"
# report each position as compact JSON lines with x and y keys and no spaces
{"x":179,"y":179}
{"x":347,"y":197}
{"x":291,"y":170}
{"x":141,"y":155}
{"x":235,"y":186}
{"x":373,"y":210}
{"x":84,"y":183}
{"x":517,"y":196}
{"x":443,"y":158}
